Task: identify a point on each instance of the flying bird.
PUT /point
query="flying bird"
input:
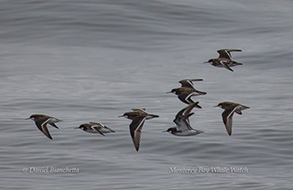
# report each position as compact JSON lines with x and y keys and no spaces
{"x":224,"y":59}
{"x":187,"y":90}
{"x":182,"y":122}
{"x":138,"y":117}
{"x":93,"y":127}
{"x":230,"y":108}
{"x":41,"y":122}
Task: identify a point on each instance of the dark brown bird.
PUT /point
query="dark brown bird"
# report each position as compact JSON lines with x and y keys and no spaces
{"x":230,"y":108}
{"x":187,"y":90}
{"x":225,"y":59}
{"x":42,"y":121}
{"x":138,"y":117}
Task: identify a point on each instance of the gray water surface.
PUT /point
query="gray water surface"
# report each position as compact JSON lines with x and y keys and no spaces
{"x":84,"y":61}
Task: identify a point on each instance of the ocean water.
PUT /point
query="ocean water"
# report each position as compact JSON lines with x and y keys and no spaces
{"x":88,"y":60}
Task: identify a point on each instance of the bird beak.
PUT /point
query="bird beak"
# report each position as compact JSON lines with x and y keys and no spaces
{"x":216,"y":106}
{"x":121,"y":116}
{"x":76,"y":127}
{"x":27,"y":118}
{"x":164,"y":131}
{"x":206,"y":62}
{"x":169,"y":92}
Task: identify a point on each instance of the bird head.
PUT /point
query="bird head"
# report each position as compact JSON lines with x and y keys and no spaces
{"x":33,"y":117}
{"x":82,"y":127}
{"x":209,"y":61}
{"x":174,"y":91}
{"x":171,"y":130}
{"x":223,"y":105}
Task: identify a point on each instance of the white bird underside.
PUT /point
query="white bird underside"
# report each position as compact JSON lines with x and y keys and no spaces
{"x":182,"y":122}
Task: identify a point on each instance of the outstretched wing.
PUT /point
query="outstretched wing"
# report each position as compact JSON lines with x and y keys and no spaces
{"x":226,"y":53}
{"x":182,"y":118}
{"x":95,"y":123}
{"x":97,"y":128}
{"x":42,"y":126}
{"x":225,"y":64}
{"x":53,"y":124}
{"x":135,"y":131}
{"x":186,"y":97}
{"x":186,"y":126}
{"x":188,"y":82}
{"x":109,"y":129}
{"x":227,"y":116}
{"x":139,"y":110}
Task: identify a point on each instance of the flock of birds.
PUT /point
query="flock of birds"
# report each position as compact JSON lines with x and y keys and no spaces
{"x":139,"y":116}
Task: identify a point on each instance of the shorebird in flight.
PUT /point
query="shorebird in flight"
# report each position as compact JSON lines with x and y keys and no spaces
{"x":41,"y":122}
{"x":187,"y":90}
{"x":93,"y":127}
{"x":182,"y":122}
{"x":230,"y":108}
{"x":224,"y":59}
{"x":138,"y":117}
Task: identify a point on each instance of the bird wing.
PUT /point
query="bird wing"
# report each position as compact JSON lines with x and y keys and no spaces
{"x":42,"y":126}
{"x":227,"y":119}
{"x":224,"y":64}
{"x":180,"y":124}
{"x":52,"y":121}
{"x":226,"y":53}
{"x":139,"y":110}
{"x":188,"y":82}
{"x":185,"y":97}
{"x":53,"y":124}
{"x":185,"y":111}
{"x":109,"y":129}
{"x":186,"y":121}
{"x":95,"y":123}
{"x":195,"y":79}
{"x":188,"y":108}
{"x":178,"y":116}
{"x":97,"y":128}
{"x":223,"y":53}
{"x":181,"y":119}
{"x":100,"y":125}
{"x":135,"y":131}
